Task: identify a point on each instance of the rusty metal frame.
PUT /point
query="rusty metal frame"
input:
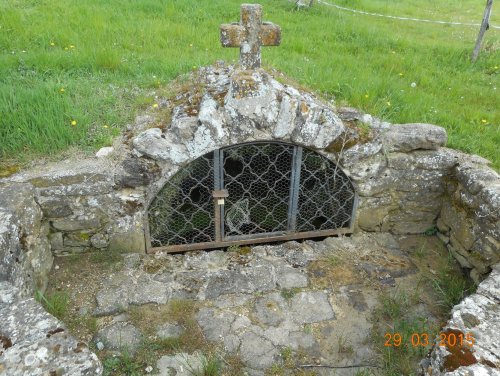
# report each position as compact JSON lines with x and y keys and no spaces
{"x":222,"y":241}
{"x":254,"y":240}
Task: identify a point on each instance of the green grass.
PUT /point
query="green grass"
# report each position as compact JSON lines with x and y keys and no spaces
{"x":395,"y":320}
{"x":111,"y":56}
{"x":56,"y":304}
{"x":450,"y":286}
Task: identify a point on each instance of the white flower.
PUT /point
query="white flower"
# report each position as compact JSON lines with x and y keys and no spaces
{"x":413,"y":84}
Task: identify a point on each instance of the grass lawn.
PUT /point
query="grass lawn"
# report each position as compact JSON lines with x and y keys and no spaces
{"x":74,"y":73}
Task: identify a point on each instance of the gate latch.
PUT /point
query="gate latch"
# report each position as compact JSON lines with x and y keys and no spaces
{"x":219,"y":195}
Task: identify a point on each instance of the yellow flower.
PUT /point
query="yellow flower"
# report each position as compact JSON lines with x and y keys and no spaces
{"x":388,"y":103}
{"x":71,"y":46}
{"x":155,"y":105}
{"x":65,"y":48}
{"x":52,"y":44}
{"x":61,"y":90}
{"x":484,"y":121}
{"x":105,"y":126}
{"x":73,"y":122}
{"x":190,"y":44}
{"x":401,"y":74}
{"x":366,"y":95}
{"x":496,"y":66}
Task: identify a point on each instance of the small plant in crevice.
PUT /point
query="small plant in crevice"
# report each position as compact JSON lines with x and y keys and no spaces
{"x":287,"y":356}
{"x":431,"y":231}
{"x":56,"y":304}
{"x":449,"y":284}
{"x":451,"y":288}
{"x":276,"y":370}
{"x":123,"y":364}
{"x":210,"y":366}
{"x":395,"y":304}
{"x":288,"y":294}
{"x":344,"y":346}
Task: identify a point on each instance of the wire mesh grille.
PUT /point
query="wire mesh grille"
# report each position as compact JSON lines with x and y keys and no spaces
{"x":257,"y":177}
{"x":183,"y":211}
{"x":325,"y":197}
{"x":273,"y":188}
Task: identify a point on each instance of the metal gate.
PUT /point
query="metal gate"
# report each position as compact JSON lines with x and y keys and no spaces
{"x":251,"y":193}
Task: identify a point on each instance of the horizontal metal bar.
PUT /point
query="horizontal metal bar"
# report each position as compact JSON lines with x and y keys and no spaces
{"x":253,"y":236}
{"x":210,"y":245}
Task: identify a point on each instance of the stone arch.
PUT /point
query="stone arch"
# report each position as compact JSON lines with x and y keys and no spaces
{"x":250,"y":192}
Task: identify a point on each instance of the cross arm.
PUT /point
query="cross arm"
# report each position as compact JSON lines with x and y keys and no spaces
{"x":270,"y":34}
{"x":232,"y":35}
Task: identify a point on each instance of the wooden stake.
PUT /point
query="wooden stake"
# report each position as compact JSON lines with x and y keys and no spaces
{"x":484,"y":26}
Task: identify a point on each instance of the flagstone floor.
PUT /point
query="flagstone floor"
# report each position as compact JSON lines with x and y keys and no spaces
{"x":310,"y":306}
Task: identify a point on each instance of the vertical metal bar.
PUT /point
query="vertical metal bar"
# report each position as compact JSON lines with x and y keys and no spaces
{"x":294,"y":188}
{"x":290,"y":191}
{"x":217,"y":207}
{"x":353,"y":213}
{"x":220,"y":171}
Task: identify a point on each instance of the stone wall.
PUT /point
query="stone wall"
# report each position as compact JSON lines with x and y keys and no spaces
{"x":25,"y":255}
{"x":406,"y":180}
{"x":477,"y":320}
{"x":469,"y":222}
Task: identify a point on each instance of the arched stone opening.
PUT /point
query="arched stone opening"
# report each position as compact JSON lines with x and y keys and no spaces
{"x":251,"y":193}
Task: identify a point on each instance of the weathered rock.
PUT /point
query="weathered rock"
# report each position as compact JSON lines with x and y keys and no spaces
{"x":120,"y":336}
{"x":270,"y":310}
{"x":123,"y":290}
{"x":25,"y":257}
{"x":155,"y":145}
{"x":39,"y":343}
{"x":408,"y":137}
{"x":310,"y":307}
{"x":99,"y":241}
{"x":478,"y":317}
{"x":215,"y":324}
{"x":304,"y":3}
{"x":257,"y":352}
{"x":169,"y":330}
{"x":79,"y":223}
{"x":137,"y":172}
{"x":288,"y":277}
{"x":104,"y":152}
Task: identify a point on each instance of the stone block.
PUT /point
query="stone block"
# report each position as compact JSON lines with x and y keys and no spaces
{"x":408,"y":137}
{"x":41,"y":344}
{"x":461,"y":259}
{"x":99,"y":241}
{"x":76,"y":224}
{"x":136,"y":172}
{"x":132,"y":241}
{"x":77,"y":239}
{"x":58,"y":208}
{"x":56,"y":241}
{"x":316,"y":126}
{"x":373,"y":212}
{"x":475,"y":177}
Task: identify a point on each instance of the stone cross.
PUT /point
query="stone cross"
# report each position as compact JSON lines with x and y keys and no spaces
{"x":250,"y":34}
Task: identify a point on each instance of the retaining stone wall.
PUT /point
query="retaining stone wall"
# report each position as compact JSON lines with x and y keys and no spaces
{"x":406,"y":180}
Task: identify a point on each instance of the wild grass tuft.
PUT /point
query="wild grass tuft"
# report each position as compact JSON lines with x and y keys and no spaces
{"x":56,"y":304}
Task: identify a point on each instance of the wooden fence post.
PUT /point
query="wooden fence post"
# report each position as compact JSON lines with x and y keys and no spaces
{"x":484,"y":26}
